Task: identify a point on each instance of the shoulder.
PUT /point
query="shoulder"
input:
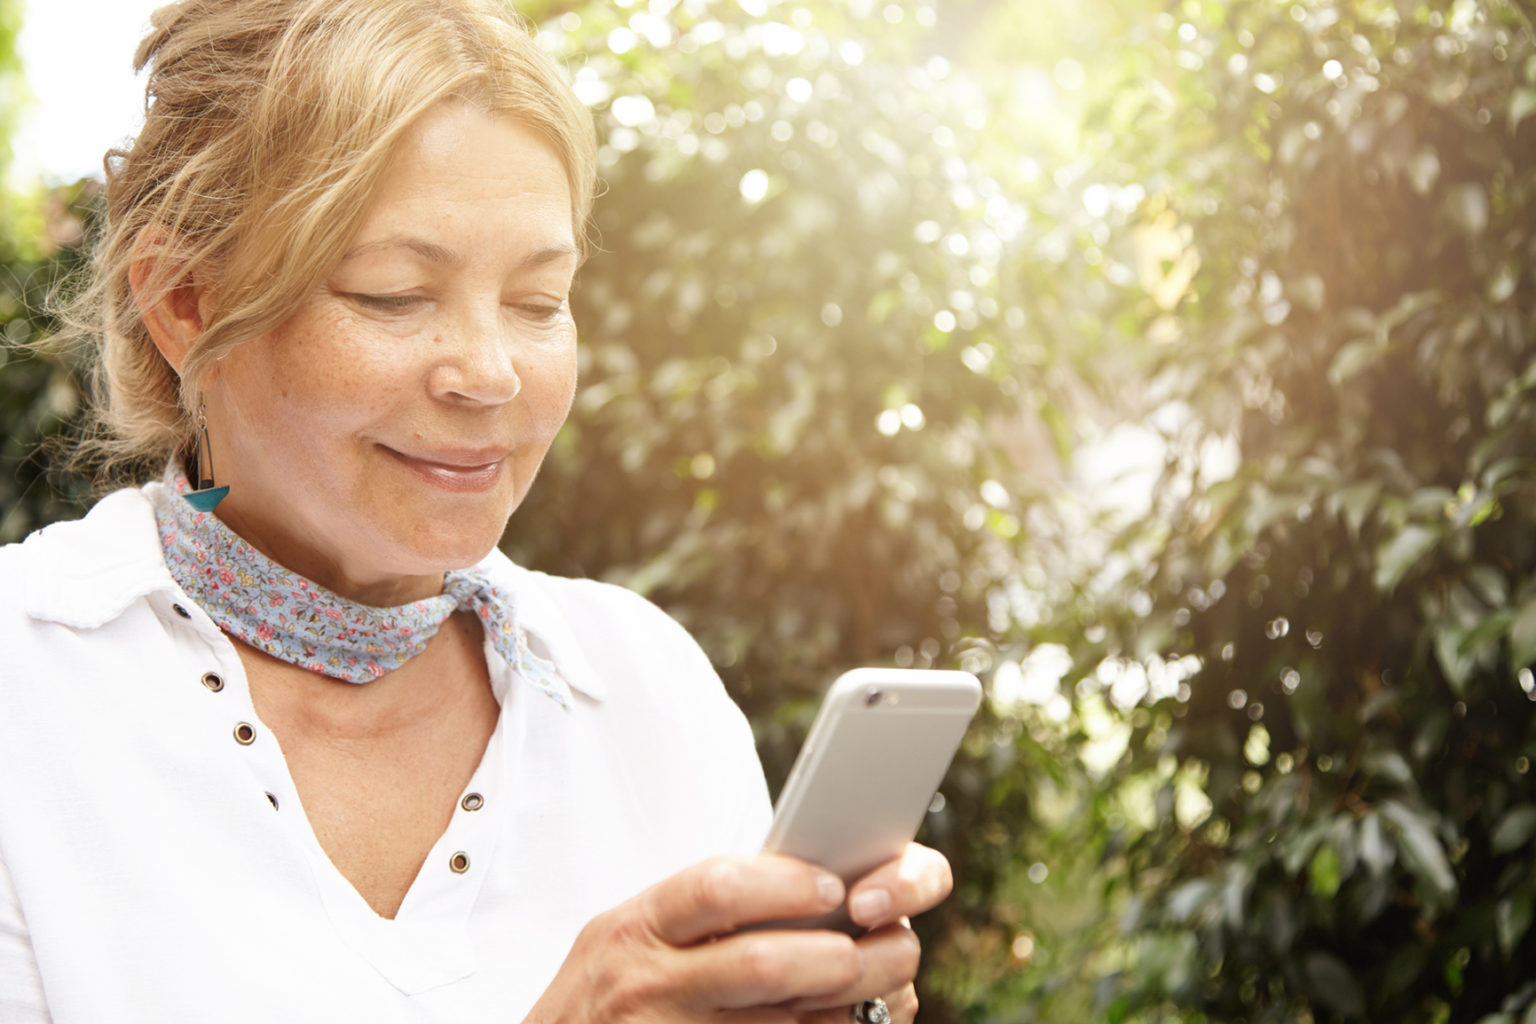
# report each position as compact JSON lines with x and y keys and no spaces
{"x":82,"y":572}
{"x":116,"y":519}
{"x":593,"y":611}
{"x":663,"y":709}
{"x":614,"y":643}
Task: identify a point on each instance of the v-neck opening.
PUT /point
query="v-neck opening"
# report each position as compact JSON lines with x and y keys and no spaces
{"x":426,"y":944}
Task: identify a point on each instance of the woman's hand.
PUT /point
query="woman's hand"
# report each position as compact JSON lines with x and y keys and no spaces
{"x":882,"y":901}
{"x":673,"y":953}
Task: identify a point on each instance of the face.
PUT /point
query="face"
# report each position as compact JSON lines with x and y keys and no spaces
{"x":386,"y":432}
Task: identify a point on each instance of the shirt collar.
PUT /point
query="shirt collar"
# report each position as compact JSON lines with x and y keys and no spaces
{"x":549,"y":632}
{"x":87,"y":572}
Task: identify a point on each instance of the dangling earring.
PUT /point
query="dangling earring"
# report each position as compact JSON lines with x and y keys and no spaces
{"x":207,"y":497}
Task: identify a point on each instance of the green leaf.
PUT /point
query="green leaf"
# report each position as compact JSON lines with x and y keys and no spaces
{"x":1488,"y":583}
{"x":1503,"y":284}
{"x":1429,"y":503}
{"x":1450,"y":644}
{"x":1514,"y":830}
{"x":1331,"y":982}
{"x":1389,"y":766}
{"x":1234,"y":893}
{"x":1298,"y":850}
{"x":1486,"y":633}
{"x":1430,"y":738}
{"x":1410,"y":305}
{"x":1521,"y":106}
{"x":1421,"y":850}
{"x":1375,"y":851}
{"x":1403,"y":968}
{"x":1355,"y":503}
{"x":1324,"y":872}
{"x":1188,"y":898}
{"x":1522,"y":636}
{"x":1512,"y":919}
{"x":1397,"y":556}
{"x":1423,"y":170}
{"x":1353,"y":358}
{"x":1467,"y":206}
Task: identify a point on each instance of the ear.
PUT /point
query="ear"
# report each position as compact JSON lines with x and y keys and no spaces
{"x":170,"y":300}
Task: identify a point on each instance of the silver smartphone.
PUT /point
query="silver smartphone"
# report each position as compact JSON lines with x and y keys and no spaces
{"x":868,"y":771}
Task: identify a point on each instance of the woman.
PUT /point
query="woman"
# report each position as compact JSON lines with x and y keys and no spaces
{"x":282,"y":736}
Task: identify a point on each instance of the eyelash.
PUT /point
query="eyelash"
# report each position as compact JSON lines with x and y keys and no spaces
{"x":543,"y":314}
{"x":390,"y":303}
{"x":401,"y":303}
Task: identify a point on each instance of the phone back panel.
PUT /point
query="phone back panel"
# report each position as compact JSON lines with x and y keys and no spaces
{"x":870,"y":766}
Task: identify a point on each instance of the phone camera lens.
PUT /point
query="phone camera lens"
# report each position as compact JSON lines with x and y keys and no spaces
{"x":873,"y":697}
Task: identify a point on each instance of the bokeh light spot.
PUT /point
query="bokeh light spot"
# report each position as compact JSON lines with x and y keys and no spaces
{"x":754,"y":185}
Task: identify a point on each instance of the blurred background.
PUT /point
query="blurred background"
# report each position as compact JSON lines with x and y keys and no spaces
{"x":1170,"y":365}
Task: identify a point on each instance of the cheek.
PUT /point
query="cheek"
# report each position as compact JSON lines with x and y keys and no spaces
{"x":323,"y":376}
{"x":553,"y":386}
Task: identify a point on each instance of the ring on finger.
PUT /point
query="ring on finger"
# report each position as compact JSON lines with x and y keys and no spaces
{"x":871,"y":1011}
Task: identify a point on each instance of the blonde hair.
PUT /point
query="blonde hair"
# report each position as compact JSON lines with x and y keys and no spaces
{"x":268,"y":126}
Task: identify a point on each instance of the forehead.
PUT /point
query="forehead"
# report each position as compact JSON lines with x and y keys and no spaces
{"x":461,"y":169}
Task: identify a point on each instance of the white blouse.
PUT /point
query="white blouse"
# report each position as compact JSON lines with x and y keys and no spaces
{"x":156,"y":864}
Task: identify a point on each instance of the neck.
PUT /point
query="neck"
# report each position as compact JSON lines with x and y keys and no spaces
{"x":317,"y":566}
{"x":343,"y":715}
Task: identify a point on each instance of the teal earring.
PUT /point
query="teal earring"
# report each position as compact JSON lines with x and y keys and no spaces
{"x":207,"y":497}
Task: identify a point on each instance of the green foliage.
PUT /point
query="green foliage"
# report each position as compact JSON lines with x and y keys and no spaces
{"x":885,"y":292}
{"x":1361,"y":188}
{"x":12,"y":82}
{"x":39,"y":396}
{"x":36,"y":396}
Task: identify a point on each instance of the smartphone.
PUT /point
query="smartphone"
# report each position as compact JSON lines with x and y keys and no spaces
{"x":868,"y":771}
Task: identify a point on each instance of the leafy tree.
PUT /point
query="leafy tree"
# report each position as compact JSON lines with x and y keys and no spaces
{"x":1359,"y":182}
{"x":36,"y":396}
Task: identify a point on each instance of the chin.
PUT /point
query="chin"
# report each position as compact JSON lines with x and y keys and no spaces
{"x":428,"y":537}
{"x":434,"y":552}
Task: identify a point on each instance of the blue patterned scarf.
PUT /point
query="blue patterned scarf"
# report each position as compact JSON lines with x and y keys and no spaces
{"x":275,"y":610}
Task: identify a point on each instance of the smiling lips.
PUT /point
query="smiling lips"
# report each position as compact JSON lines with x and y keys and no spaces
{"x":464,"y":471}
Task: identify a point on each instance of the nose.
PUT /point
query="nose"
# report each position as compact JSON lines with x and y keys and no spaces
{"x":475,"y":364}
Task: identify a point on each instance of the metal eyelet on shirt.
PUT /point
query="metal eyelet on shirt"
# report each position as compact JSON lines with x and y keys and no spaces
{"x":459,"y":863}
{"x":179,"y":610}
{"x":245,"y":734}
{"x":213,"y":681}
{"x":472,"y":802}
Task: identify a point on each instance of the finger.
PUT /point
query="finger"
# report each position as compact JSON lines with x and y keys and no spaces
{"x":830,"y":1015}
{"x":889,"y":961}
{"x":902,"y":1004}
{"x":758,"y":1015}
{"x":770,"y":968}
{"x":723,"y":893}
{"x":916,"y":881}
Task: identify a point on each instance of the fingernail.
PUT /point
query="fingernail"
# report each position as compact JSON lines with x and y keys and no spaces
{"x":869,"y":906}
{"x":830,"y":889}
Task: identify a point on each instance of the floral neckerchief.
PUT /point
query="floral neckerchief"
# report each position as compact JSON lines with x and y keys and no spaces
{"x":260,"y":603}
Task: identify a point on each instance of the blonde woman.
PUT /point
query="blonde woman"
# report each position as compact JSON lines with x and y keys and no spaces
{"x":283,"y":737}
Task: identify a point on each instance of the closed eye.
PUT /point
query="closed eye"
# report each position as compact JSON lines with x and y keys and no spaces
{"x":387,"y":303}
{"x":540,"y":312}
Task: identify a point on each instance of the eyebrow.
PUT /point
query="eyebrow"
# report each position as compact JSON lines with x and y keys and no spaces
{"x":441,"y":255}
